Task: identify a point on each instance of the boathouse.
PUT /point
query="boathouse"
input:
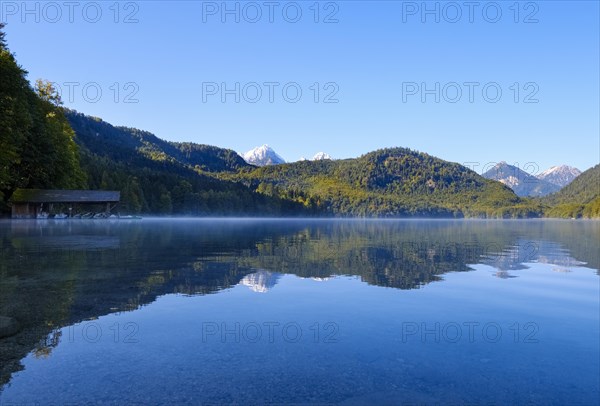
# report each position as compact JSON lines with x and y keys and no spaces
{"x":33,"y":203}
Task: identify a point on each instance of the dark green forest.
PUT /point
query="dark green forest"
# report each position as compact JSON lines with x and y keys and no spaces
{"x":45,"y":146}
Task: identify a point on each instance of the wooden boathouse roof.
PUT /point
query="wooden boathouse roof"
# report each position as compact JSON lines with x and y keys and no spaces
{"x":65,"y":196}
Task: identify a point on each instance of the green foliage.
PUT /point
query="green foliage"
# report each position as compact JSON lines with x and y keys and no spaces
{"x":45,"y":90}
{"x":37,"y":149}
{"x":15,"y":117}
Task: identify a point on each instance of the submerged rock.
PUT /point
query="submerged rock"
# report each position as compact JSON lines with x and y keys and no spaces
{"x":8,"y":326}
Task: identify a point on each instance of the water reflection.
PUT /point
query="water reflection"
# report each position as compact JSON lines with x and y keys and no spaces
{"x":55,"y":274}
{"x":260,"y":281}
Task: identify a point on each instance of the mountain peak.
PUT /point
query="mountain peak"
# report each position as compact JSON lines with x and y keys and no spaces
{"x":262,"y":156}
{"x":559,"y":175}
{"x":520,"y":181}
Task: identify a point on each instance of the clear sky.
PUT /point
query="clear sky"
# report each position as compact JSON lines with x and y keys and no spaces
{"x":381,"y":65}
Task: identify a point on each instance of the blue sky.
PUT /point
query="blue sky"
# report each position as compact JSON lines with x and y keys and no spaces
{"x":384,"y":62}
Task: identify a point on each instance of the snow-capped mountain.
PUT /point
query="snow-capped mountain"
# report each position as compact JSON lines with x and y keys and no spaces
{"x":262,"y":156}
{"x":320,"y":156}
{"x":521,"y":182}
{"x":560,"y":175}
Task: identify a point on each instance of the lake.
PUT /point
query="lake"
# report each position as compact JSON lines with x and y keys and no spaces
{"x":251,"y":311}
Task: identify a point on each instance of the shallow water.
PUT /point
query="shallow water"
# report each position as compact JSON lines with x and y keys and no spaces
{"x":184,"y":311}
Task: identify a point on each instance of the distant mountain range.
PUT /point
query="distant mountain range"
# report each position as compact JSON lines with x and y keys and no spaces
{"x":265,"y":155}
{"x":560,"y":175}
{"x":525,"y":184}
{"x":161,"y":177}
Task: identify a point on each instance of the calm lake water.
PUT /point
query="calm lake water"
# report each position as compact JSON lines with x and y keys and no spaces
{"x":184,"y":311}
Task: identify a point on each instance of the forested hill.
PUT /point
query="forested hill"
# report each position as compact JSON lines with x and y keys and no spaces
{"x":389,"y":182}
{"x":123,"y":143}
{"x":581,"y":198}
{"x":159,"y":177}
